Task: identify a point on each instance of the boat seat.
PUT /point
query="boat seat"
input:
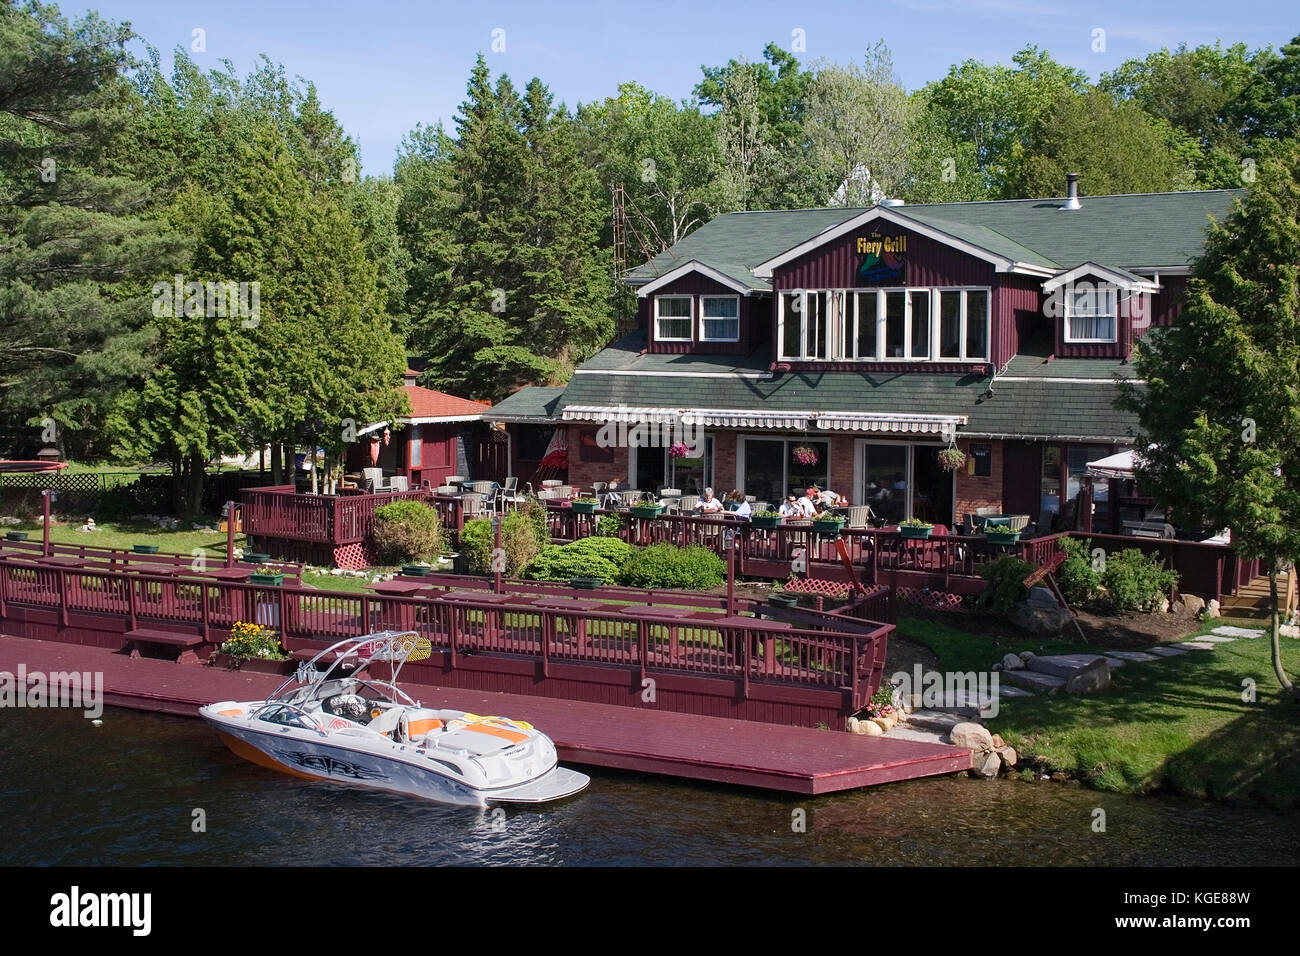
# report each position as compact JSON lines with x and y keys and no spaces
{"x":388,"y":721}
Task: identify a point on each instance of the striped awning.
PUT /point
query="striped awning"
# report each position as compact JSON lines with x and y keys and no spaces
{"x":889,"y":422}
{"x":773,"y":418}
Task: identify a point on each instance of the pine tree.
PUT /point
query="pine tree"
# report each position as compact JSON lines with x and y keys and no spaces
{"x":1220,"y":410}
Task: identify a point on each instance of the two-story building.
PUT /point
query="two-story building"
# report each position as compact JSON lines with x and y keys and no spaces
{"x":846,"y":347}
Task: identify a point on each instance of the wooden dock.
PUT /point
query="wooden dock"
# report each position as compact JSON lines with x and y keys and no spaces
{"x":718,"y":749}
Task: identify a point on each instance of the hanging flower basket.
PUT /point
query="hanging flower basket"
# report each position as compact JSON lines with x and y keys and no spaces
{"x":806,"y":455}
{"x":950,"y":459}
{"x":679,"y":450}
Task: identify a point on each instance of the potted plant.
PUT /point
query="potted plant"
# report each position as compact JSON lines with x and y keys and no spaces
{"x":266,"y":574}
{"x":828,"y":524}
{"x":914,"y":528}
{"x":647,"y":509}
{"x":951,"y":458}
{"x":584,"y":506}
{"x":16,"y":535}
{"x":145,"y":548}
{"x":881,"y":709}
{"x":805,"y":455}
{"x":254,"y":647}
{"x":765,"y":519}
{"x":416,"y":570}
{"x":998,"y":531}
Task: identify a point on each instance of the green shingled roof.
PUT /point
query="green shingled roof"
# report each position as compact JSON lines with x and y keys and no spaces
{"x":1065,"y":398}
{"x":1142,"y":231}
{"x":533,"y":402}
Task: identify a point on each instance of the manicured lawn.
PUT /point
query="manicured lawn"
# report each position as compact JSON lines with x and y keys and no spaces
{"x":124,"y":534}
{"x":1178,"y":724}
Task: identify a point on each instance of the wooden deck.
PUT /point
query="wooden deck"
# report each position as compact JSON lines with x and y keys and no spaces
{"x":688,"y":746}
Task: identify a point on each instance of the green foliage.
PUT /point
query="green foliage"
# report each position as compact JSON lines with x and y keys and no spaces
{"x":668,"y":566}
{"x":562,"y":562}
{"x":1076,"y":577}
{"x":249,"y":641}
{"x":608,"y":526}
{"x":408,"y":531}
{"x":523,"y":538}
{"x":1135,"y":582}
{"x":476,"y":545}
{"x":611,"y":549}
{"x":1006,"y":583}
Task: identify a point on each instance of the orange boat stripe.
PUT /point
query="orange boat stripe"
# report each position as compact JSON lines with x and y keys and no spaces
{"x":513,"y":736}
{"x":422,"y":726}
{"x":236,"y":712}
{"x":251,"y":753}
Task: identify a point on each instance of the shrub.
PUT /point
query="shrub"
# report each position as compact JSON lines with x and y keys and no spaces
{"x":608,"y":526}
{"x":668,"y":566}
{"x":1134,"y":581}
{"x":1077,"y":578}
{"x":476,"y":544}
{"x":523,"y":537}
{"x":611,"y":549}
{"x":1006,"y":583}
{"x":408,"y":531}
{"x":562,"y":562}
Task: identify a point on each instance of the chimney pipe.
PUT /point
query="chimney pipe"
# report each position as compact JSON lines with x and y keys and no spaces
{"x":1071,"y":191}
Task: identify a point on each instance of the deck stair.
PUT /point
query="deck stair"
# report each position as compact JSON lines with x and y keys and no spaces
{"x":1252,"y":600}
{"x":1049,"y":674}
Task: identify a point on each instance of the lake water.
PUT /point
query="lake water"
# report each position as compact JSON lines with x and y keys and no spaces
{"x":125,"y":794}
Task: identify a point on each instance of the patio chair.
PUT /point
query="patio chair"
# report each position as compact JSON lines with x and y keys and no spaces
{"x":398,"y":483}
{"x":375,"y":480}
{"x":688,"y":502}
{"x":481,"y":487}
{"x":492,"y":500}
{"x":552,"y":483}
{"x":860,"y":516}
{"x":599,"y":487}
{"x":471,"y":504}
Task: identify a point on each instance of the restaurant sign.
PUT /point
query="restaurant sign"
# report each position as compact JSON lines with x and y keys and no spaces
{"x":884,"y":260}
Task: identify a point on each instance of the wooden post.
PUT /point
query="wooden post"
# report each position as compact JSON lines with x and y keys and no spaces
{"x":497,"y":555}
{"x":548,"y":630}
{"x":46,"y":549}
{"x":230,"y":534}
{"x":207,"y":613}
{"x":747,"y":639}
{"x":729,"y":538}
{"x":130,"y":599}
{"x":63,"y":598}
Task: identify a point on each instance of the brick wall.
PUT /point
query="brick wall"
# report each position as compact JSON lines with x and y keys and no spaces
{"x":975,"y":492}
{"x":841,"y":470}
{"x":581,"y":472}
{"x":724,"y":462}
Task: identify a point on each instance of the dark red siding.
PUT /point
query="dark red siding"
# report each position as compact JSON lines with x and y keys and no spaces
{"x":929,"y":263}
{"x":755,"y":312}
{"x":1017,"y":315}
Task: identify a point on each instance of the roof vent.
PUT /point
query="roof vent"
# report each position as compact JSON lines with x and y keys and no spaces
{"x":1071,"y":191}
{"x":891,"y":202}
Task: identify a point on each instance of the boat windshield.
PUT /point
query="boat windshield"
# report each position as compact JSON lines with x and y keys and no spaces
{"x":394,"y":648}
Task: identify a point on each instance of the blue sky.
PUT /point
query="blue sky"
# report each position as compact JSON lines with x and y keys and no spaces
{"x":382,"y":67}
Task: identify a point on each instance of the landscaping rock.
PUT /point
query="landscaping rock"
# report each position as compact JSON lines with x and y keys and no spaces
{"x":882,"y":723}
{"x":974,"y":736}
{"x":986,"y":765}
{"x":1227,"y":630}
{"x":869,"y":728}
{"x":1163,"y":651}
{"x":1026,"y":655}
{"x":853,"y":725}
{"x":1193,"y":604}
{"x":1040,"y":618}
{"x":1007,"y":755}
{"x":1062,"y":665}
{"x":1135,"y":656}
{"x":1091,"y":679}
{"x":1012,"y":662}
{"x":1035,"y":681}
{"x":1041,"y":595}
{"x":1214,"y":609}
{"x":1163,"y":606}
{"x":998,"y":741}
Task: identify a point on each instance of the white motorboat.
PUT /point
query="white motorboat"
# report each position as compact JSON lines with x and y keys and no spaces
{"x":342,"y":725}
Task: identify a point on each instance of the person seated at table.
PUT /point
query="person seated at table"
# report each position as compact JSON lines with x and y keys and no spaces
{"x":830,"y":499}
{"x":790,"y":507}
{"x":809,"y":504}
{"x":738,"y":505}
{"x":708,"y":505}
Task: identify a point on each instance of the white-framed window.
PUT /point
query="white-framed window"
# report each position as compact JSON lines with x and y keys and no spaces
{"x":963,"y":325}
{"x":804,"y":324}
{"x":1090,"y":313}
{"x":719,"y":318}
{"x":673,"y":318}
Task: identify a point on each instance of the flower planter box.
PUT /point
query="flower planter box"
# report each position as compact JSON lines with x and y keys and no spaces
{"x":145,"y":548}
{"x":647,"y":511}
{"x":832,"y":526}
{"x":15,"y":535}
{"x":584,"y":507}
{"x":268,"y":579}
{"x":587,"y":584}
{"x":416,"y":570}
{"x":768,"y":524}
{"x":264,"y":665}
{"x":915,"y":532}
{"x":783,"y":600}
{"x":1002,"y":537}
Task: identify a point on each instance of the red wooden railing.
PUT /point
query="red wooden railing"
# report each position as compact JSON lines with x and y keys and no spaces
{"x":334,"y":520}
{"x":816,"y":650}
{"x":1206,"y":570}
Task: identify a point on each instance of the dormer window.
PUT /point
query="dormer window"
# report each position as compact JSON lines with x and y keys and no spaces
{"x":1090,"y":313}
{"x":719,"y":318}
{"x":673,"y":318}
